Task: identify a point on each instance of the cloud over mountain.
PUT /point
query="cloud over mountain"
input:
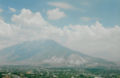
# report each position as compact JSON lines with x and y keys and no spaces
{"x":95,"y":39}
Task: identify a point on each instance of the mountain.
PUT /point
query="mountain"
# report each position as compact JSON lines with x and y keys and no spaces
{"x":47,"y":53}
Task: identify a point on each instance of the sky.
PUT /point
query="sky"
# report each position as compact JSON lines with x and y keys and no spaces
{"x":89,"y":26}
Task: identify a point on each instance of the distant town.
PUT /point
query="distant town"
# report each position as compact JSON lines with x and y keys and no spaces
{"x":42,"y":72}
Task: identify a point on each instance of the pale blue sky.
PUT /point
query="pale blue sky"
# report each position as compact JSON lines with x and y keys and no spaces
{"x":105,"y":11}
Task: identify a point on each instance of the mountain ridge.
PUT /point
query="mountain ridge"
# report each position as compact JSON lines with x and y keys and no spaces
{"x":47,"y":52}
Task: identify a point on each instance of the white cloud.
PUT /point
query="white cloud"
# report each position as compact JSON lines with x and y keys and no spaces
{"x":61,"y":5}
{"x":12,"y":9}
{"x":86,"y":18}
{"x":1,"y":10}
{"x":55,"y":14}
{"x":26,"y":26}
{"x":95,"y":40}
{"x":6,"y":34}
{"x":27,"y":18}
{"x":5,"y":28}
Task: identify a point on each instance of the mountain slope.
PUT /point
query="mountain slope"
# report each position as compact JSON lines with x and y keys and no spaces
{"x":47,"y":52}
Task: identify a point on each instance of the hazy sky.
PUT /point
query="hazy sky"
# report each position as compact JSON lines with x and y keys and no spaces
{"x":89,"y":26}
